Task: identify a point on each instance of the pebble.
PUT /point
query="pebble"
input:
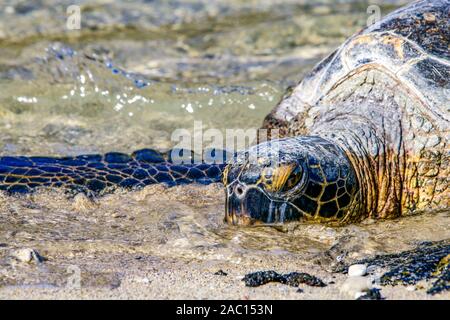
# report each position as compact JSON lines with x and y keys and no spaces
{"x":220,"y":273}
{"x":144,"y":280}
{"x":429,"y":17}
{"x":82,"y":203}
{"x":357,"y":270}
{"x":356,"y":286}
{"x":27,"y":255}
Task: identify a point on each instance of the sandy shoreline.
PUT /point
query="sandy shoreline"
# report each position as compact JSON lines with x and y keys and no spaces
{"x":161,"y":243}
{"x":136,"y":277}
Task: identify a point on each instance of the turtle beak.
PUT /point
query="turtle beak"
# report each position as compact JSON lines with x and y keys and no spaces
{"x":251,"y":206}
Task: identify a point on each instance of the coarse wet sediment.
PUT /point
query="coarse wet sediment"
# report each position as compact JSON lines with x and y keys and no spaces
{"x":171,"y":242}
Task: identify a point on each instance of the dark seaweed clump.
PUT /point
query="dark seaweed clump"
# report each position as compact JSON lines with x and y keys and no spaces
{"x":292,"y":279}
{"x":429,"y":261}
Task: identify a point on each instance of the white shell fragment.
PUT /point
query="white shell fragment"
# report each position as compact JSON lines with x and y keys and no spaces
{"x":357,"y":270}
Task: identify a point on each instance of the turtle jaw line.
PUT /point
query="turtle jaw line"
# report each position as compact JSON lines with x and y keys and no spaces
{"x":256,"y":207}
{"x":242,"y":220}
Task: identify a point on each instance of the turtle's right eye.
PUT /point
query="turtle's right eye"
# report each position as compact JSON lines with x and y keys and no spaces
{"x":293,"y":179}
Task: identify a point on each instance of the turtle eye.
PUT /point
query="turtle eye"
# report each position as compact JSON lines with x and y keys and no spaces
{"x":293,"y":179}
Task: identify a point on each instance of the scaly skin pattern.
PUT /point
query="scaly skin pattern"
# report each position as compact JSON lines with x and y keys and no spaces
{"x":384,"y":98}
{"x":291,"y":179}
{"x":94,"y":174}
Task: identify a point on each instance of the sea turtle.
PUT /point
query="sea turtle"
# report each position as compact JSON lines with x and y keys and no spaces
{"x":365,"y":134}
{"x":367,"y":131}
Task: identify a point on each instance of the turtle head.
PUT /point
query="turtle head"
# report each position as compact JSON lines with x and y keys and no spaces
{"x":290,"y":179}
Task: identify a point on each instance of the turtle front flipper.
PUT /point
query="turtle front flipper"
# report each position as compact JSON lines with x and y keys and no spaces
{"x":97,"y":173}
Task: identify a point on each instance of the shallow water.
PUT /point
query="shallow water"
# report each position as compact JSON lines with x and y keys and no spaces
{"x":225,"y":63}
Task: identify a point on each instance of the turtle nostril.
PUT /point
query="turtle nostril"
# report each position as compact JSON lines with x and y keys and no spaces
{"x":239,"y":190}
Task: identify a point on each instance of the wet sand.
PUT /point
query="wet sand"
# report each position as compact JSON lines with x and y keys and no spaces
{"x":153,"y":278}
{"x":127,"y":277}
{"x":122,"y":247}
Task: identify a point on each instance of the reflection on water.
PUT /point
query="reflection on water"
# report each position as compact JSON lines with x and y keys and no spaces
{"x":226,"y":63}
